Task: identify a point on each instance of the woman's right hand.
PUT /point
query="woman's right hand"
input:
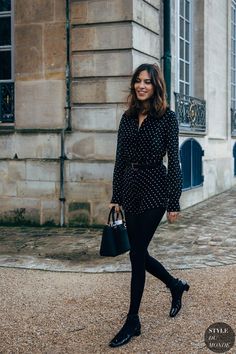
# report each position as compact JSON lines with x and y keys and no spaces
{"x":117,"y":207}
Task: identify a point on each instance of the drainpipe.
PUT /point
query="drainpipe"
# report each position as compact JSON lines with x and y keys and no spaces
{"x":63,"y":156}
{"x":68,"y":73}
{"x":167,"y":48}
{"x":62,"y":192}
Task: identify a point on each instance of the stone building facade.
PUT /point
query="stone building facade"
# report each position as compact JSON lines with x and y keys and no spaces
{"x":70,"y":68}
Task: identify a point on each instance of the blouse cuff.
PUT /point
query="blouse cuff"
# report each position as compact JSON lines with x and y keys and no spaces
{"x":173,"y":207}
{"x":115,"y":201}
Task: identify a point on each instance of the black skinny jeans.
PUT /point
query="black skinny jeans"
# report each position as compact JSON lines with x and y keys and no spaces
{"x":141,"y":229}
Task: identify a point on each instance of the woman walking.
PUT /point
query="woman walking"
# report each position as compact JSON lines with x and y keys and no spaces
{"x":144,"y":188}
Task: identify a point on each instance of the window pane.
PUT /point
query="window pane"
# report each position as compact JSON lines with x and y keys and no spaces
{"x":187,"y":31}
{"x":186,"y":51}
{"x":233,"y":47}
{"x":232,"y":76}
{"x":187,"y":10}
{"x":187,"y":73}
{"x":181,"y":51}
{"x":5,"y":31}
{"x":233,"y":92}
{"x":181,"y":70}
{"x":234,"y":104}
{"x":5,"y":5}
{"x":233,"y":61}
{"x":181,"y":87}
{"x":5,"y":67}
{"x":181,"y":7}
{"x":187,"y":89}
{"x":181,"y":28}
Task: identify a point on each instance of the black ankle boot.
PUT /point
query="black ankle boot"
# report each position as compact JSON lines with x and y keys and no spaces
{"x":177,"y":290}
{"x":131,"y":328}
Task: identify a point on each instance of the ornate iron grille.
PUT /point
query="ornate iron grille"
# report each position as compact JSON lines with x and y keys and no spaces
{"x":6,"y":102}
{"x":191,"y":113}
{"x":233,"y":121}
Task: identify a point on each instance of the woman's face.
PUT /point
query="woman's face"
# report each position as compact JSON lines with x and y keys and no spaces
{"x":143,"y":87}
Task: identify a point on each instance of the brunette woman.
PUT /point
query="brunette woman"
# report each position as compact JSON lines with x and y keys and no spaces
{"x":145,"y":188}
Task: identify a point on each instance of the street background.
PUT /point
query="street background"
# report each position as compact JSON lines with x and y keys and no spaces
{"x":80,"y":302}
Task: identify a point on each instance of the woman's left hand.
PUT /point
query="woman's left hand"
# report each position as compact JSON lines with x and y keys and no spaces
{"x":172,"y":216}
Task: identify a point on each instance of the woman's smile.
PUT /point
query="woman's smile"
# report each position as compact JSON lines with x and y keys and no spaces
{"x":143,"y":86}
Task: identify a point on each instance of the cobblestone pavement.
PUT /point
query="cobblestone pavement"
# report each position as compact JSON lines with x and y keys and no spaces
{"x":204,"y":236}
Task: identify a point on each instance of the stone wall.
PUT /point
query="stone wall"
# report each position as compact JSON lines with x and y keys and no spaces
{"x":29,"y":190}
{"x":109,"y":39}
{"x":40,"y":50}
{"x":29,"y":156}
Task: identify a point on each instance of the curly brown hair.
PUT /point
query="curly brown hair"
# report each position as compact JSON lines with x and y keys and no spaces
{"x":158,"y":102}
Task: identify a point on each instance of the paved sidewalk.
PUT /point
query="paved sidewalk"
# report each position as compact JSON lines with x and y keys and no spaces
{"x":78,"y":313}
{"x":204,"y":236}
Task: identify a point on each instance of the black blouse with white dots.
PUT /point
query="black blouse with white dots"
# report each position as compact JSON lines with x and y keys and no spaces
{"x":140,"y":189}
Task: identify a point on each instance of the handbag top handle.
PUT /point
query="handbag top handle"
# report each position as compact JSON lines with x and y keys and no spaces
{"x":112,"y":214}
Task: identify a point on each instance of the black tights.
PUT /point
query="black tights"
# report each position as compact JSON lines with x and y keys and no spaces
{"x":141,"y":229}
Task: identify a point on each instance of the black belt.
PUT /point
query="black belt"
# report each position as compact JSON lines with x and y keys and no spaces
{"x":139,"y":166}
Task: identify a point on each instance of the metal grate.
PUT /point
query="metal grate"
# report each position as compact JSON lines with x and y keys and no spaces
{"x":6,"y":102}
{"x":191,"y":162}
{"x":191,"y":113}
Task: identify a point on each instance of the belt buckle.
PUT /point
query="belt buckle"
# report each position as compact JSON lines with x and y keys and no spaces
{"x":133,"y":165}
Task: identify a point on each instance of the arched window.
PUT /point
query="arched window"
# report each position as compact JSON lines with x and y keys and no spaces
{"x":191,"y":161}
{"x":234,"y":155}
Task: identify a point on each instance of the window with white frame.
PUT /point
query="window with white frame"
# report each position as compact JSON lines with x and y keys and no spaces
{"x":233,"y":54}
{"x":184,"y":46}
{"x":6,"y":36}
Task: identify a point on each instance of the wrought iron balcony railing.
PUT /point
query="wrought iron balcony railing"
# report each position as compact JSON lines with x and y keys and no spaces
{"x":191,"y":113}
{"x":6,"y":102}
{"x":233,"y":121}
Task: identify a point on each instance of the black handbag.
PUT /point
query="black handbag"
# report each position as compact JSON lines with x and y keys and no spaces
{"x":115,"y":239}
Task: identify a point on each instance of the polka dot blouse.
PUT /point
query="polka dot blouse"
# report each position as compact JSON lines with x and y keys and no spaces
{"x":140,"y":189}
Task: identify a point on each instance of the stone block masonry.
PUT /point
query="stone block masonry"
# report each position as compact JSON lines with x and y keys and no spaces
{"x":108,"y":39}
{"x":40,"y":56}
